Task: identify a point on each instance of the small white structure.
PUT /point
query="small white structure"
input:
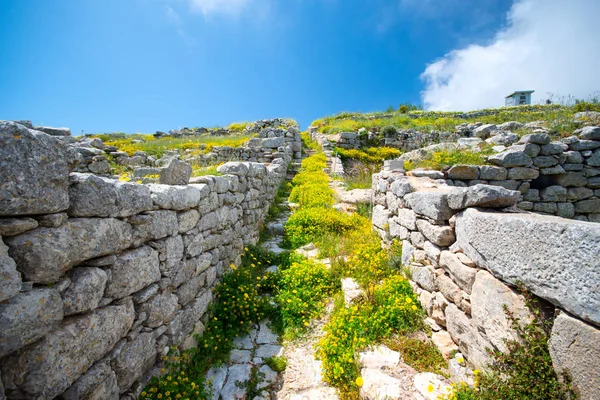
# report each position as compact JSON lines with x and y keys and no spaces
{"x":518,"y":98}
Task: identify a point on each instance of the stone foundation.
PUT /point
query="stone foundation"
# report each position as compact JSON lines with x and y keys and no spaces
{"x":101,"y":277}
{"x":467,"y":248}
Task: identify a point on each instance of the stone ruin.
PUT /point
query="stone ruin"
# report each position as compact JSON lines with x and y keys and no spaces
{"x":467,"y":248}
{"x":99,"y":276}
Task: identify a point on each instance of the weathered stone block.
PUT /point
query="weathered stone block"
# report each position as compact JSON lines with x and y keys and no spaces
{"x":574,"y":350}
{"x":35,"y":171}
{"x":380,"y":217}
{"x":488,"y":299}
{"x":98,"y":383}
{"x":465,"y":334}
{"x":441,"y":235}
{"x":85,"y":291}
{"x":554,"y":193}
{"x":95,"y":196}
{"x":560,"y":264}
{"x":425,"y":277}
{"x":133,"y":270}
{"x":153,"y":225}
{"x":463,"y":275}
{"x":521,"y":173}
{"x":482,"y":196}
{"x":135,"y":358}
{"x":44,"y":254}
{"x":16,"y":226}
{"x":176,"y":172}
{"x":27,"y":317}
{"x":48,"y":367}
{"x":464,"y":172}
{"x":178,"y":197}
{"x":401,"y":187}
{"x":187,"y":220}
{"x":433,"y":205}
{"x":161,"y":309}
{"x":488,"y":172}
{"x":591,"y":205}
{"x":10,"y":278}
{"x":511,"y":158}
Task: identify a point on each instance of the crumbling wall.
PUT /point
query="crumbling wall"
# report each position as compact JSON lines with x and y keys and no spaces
{"x":468,"y":247}
{"x":99,"y":276}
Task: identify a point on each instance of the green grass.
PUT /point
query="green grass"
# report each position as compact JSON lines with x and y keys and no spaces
{"x":277,"y":363}
{"x":447,"y":158}
{"x":558,"y":118}
{"x":157,"y":147}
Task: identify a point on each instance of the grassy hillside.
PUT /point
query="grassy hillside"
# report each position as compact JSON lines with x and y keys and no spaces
{"x":558,"y":118}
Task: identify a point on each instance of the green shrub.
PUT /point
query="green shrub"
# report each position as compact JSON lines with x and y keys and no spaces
{"x":308,"y":224}
{"x":313,"y":195}
{"x":303,"y":288}
{"x":374,"y":155}
{"x":395,"y":310}
{"x":237,"y":306}
{"x":388,"y":131}
{"x":586,"y":106}
{"x":422,"y":355}
{"x":447,"y":158}
{"x":277,"y":363}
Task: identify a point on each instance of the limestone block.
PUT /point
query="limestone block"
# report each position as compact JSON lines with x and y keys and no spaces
{"x":441,"y":235}
{"x":44,"y":254}
{"x":28,"y":316}
{"x":85,"y":291}
{"x":94,"y":196}
{"x":560,"y":264}
{"x":52,"y":364}
{"x":10,"y":278}
{"x":133,"y":270}
{"x":574,"y":349}
{"x":35,"y":171}
{"x":488,"y":299}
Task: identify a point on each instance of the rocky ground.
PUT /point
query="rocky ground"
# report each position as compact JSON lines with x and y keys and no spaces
{"x":385,"y":374}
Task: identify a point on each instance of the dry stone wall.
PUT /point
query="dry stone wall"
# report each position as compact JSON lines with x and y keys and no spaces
{"x":99,"y":276}
{"x":468,"y":247}
{"x":555,"y":177}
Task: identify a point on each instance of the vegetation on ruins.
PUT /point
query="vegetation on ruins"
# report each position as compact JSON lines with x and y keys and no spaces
{"x":525,"y":371}
{"x":558,"y":117}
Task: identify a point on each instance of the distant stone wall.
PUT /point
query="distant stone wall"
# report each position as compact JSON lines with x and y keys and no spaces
{"x":467,"y":247}
{"x":557,"y":178}
{"x":271,"y":143}
{"x":99,"y":276}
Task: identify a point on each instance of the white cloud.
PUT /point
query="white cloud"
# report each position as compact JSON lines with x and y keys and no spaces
{"x":550,"y":46}
{"x":219,"y":6}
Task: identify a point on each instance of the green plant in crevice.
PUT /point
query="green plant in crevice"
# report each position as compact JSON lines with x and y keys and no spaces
{"x":525,"y":371}
{"x":277,"y":363}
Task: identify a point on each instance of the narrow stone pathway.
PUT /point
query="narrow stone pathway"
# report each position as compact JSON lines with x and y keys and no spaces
{"x":384,"y":373}
{"x":302,"y":378}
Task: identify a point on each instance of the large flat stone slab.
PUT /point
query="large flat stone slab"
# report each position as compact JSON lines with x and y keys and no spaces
{"x":555,"y":258}
{"x":95,"y":196}
{"x":44,"y":254}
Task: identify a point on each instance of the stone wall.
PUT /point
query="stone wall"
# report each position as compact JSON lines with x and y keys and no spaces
{"x":555,"y":177}
{"x":99,"y":276}
{"x":467,"y":247}
{"x":270,"y":144}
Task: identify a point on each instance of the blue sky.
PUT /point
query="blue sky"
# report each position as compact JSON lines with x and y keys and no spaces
{"x":147,"y":65}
